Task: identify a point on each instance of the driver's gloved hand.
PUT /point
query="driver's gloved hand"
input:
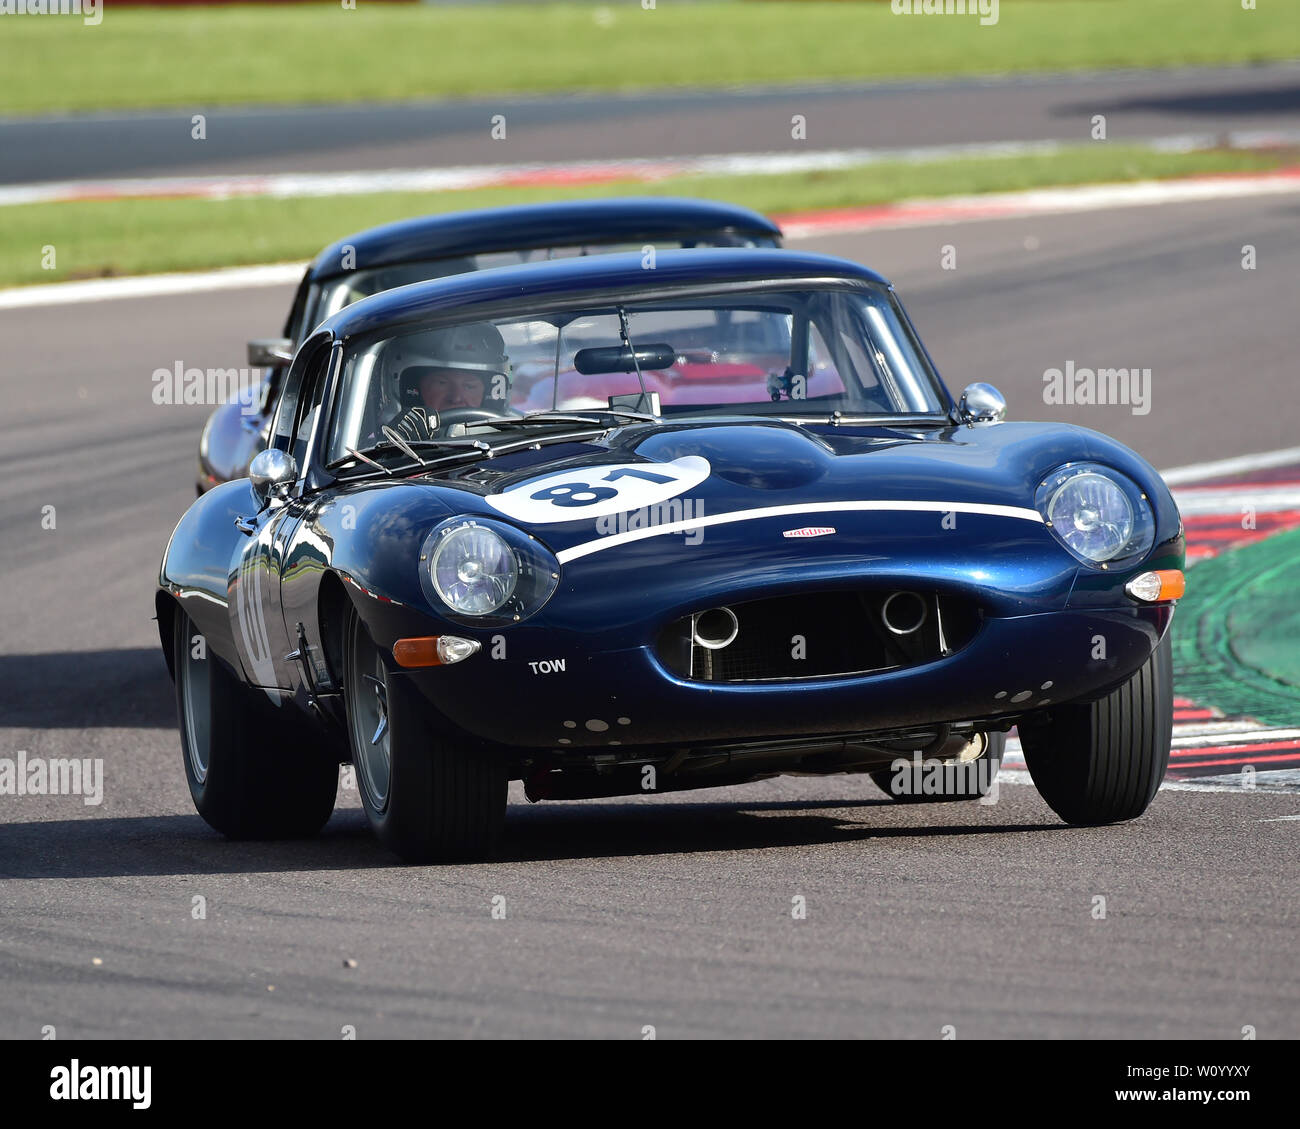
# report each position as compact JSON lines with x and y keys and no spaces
{"x":415,"y":425}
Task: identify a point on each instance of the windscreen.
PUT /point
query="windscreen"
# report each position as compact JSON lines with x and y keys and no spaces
{"x":785,"y":353}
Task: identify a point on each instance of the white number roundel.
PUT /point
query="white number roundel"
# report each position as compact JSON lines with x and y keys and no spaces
{"x":594,"y":491}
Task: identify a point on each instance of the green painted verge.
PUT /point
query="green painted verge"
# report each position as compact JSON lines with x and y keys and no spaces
{"x":1237,"y":631}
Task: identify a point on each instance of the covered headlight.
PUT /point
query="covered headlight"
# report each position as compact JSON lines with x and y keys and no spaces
{"x":1092,"y":516}
{"x":1097,"y":513}
{"x":486,"y":572}
{"x":474,"y":570}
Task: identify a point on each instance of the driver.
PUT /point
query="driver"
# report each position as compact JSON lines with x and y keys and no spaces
{"x":460,"y":366}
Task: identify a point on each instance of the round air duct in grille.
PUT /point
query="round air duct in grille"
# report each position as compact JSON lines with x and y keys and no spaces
{"x":903,"y":613}
{"x":715,"y":629}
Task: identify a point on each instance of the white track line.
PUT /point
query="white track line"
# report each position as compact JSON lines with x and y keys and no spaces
{"x":1241,"y":735}
{"x":1279,"y":782}
{"x":1241,"y":464}
{"x":1237,"y":728}
{"x":1232,"y":500}
{"x":1220,"y":740}
{"x":645,"y":169}
{"x":947,"y":210}
{"x":938,"y":211}
{"x":150,"y":285}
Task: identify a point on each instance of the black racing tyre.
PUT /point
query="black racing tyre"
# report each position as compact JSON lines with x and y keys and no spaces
{"x":253,"y":774}
{"x":428,"y":799}
{"x":1102,"y":762}
{"x":932,"y":781}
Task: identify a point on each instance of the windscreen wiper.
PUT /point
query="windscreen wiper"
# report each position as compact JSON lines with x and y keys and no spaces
{"x":408,"y":447}
{"x":458,"y":449}
{"x":627,"y":340}
{"x":880,"y":419}
{"x":565,"y":417}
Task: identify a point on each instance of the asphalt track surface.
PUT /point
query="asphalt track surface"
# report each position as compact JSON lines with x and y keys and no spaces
{"x":1137,"y":105}
{"x":673,"y":911}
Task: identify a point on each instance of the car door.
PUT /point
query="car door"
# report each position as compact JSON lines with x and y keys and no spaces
{"x":255,"y":607}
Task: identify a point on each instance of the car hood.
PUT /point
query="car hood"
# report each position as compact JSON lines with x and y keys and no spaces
{"x":565,"y":494}
{"x":672,"y":515}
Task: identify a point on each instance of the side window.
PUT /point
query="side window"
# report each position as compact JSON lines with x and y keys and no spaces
{"x":294,"y":331}
{"x":823,"y":379}
{"x":304,"y":388}
{"x":293,"y":327}
{"x":838,"y":343}
{"x":865,"y":364}
{"x":314,"y":385}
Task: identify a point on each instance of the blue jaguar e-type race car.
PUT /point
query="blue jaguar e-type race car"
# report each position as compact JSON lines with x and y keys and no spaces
{"x":608,"y":526}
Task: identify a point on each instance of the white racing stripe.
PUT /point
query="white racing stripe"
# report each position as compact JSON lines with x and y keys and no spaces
{"x":616,"y":539}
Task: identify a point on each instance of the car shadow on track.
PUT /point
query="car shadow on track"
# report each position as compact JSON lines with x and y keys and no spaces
{"x":1281,"y":99}
{"x":126,"y":689}
{"x":95,"y":847}
{"x":553,"y":833}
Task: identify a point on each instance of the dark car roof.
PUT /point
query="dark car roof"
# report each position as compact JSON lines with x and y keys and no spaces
{"x":526,"y":226}
{"x":602,"y":273}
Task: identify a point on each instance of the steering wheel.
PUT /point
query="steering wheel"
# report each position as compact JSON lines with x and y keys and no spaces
{"x":453,"y":416}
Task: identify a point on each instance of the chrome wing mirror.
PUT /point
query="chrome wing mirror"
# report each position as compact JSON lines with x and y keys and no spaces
{"x":271,"y":474}
{"x":270,"y":352}
{"x":982,"y":404}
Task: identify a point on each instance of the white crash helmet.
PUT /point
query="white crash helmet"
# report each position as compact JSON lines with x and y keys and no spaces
{"x":477,"y":347}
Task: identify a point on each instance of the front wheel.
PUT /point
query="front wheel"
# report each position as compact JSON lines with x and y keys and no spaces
{"x":253,"y":773}
{"x":1102,"y":762}
{"x":427,"y":799}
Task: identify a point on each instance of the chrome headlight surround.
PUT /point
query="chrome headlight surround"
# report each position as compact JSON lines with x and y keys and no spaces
{"x":485,"y":573}
{"x":1100,"y":516}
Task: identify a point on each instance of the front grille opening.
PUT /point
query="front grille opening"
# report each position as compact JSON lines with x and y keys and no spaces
{"x":822,"y":635}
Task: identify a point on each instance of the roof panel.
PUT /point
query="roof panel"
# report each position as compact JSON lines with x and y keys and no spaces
{"x":534,"y":283}
{"x":560,"y":224}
